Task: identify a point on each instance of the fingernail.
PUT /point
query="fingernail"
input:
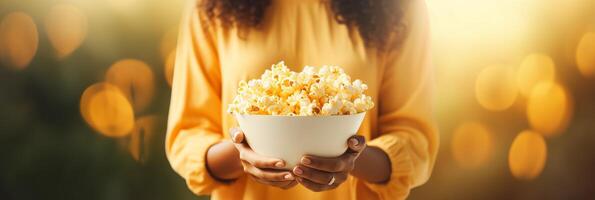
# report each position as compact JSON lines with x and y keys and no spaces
{"x":279,"y":164}
{"x":233,"y":130}
{"x":288,"y":177}
{"x":353,"y":141}
{"x":306,"y":161}
{"x":298,"y":171}
{"x":235,"y":136}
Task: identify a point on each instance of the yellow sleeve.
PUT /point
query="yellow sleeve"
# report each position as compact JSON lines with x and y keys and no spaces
{"x":407,"y":132}
{"x":194,"y":122}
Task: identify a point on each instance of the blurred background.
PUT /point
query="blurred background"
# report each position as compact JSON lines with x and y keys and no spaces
{"x":85,"y":86}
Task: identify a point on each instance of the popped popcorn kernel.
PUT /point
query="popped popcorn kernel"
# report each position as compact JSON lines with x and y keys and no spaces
{"x":311,"y":92}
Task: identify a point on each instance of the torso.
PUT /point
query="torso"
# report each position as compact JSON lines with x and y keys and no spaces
{"x":299,"y":33}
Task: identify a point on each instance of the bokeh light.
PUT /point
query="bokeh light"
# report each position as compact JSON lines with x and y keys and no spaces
{"x":141,"y":137}
{"x":88,"y":94}
{"x":106,"y":109}
{"x":495,"y":87}
{"x":18,"y":40}
{"x":492,"y":62}
{"x":66,"y":26}
{"x":535,"y":68}
{"x":169,"y":67}
{"x":136,"y":79}
{"x":471,"y":145}
{"x":527,"y":155}
{"x":585,"y":55}
{"x":549,"y":108}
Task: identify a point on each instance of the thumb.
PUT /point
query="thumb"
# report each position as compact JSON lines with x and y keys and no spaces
{"x":237,"y":136}
{"x":356,"y":143}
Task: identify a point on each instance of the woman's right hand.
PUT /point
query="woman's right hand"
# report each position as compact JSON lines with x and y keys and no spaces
{"x":262,"y":169}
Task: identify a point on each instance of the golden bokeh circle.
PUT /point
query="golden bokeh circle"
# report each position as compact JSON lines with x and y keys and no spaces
{"x":585,"y":55}
{"x":105,"y":108}
{"x":86,"y":97}
{"x":136,"y":79}
{"x":66,"y":26}
{"x":471,"y":145}
{"x":18,"y":40}
{"x":169,"y":67}
{"x":141,"y":138}
{"x":534,"y":69}
{"x":549,"y":108}
{"x":527,"y":155}
{"x":495,"y":87}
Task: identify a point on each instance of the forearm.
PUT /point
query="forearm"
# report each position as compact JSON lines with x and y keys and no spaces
{"x":223,"y":161}
{"x":372,"y":165}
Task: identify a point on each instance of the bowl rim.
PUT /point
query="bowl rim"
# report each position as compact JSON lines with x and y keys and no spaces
{"x":298,"y":116}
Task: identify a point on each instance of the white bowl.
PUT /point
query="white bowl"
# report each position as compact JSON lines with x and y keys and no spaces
{"x":291,"y":137}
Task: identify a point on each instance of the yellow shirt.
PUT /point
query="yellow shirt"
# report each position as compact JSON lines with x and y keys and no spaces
{"x":211,"y":60}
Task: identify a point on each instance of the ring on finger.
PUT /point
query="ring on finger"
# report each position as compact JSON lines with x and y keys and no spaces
{"x":332,"y":180}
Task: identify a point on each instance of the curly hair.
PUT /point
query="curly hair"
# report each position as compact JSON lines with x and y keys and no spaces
{"x":375,"y":20}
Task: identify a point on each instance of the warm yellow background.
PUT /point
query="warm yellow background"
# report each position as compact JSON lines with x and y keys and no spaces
{"x":514,"y":98}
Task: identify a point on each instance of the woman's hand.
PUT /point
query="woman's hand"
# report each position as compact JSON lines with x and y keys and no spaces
{"x":263,"y":169}
{"x":320,"y":174}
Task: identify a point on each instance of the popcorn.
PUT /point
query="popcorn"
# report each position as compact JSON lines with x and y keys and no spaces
{"x":311,"y":92}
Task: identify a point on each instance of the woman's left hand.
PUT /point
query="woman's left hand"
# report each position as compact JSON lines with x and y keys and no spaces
{"x":320,"y":174}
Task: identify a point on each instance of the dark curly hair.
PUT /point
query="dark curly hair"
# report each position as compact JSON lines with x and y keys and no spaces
{"x":376,"y":20}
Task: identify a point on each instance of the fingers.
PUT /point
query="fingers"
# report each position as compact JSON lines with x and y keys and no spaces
{"x":269,"y":175}
{"x":314,"y":186}
{"x":318,"y":176}
{"x":257,"y":160}
{"x":237,"y":136}
{"x":342,"y":163}
{"x":247,"y":154}
{"x":279,"y":184}
{"x":276,"y":178}
{"x":337,"y":164}
{"x":290,"y":185}
{"x":356,"y":143}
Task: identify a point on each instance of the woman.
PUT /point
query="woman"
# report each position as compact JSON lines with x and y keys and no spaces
{"x":381,"y":42}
